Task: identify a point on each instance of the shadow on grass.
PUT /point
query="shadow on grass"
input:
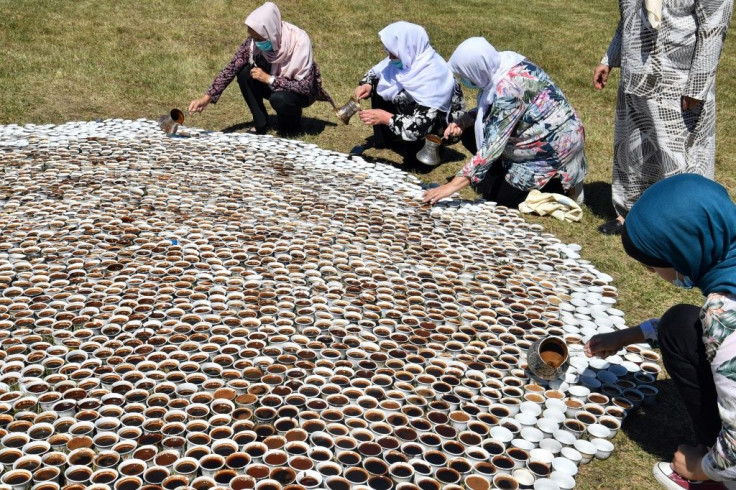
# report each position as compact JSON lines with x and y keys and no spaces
{"x":448,"y":155}
{"x":598,"y":199}
{"x":313,"y":126}
{"x":659,"y":429}
{"x":310,"y":125}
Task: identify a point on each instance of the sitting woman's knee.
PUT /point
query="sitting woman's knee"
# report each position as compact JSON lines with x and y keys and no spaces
{"x":677,"y":319}
{"x":280,"y":101}
{"x":285,"y":105}
{"x":244,"y":76}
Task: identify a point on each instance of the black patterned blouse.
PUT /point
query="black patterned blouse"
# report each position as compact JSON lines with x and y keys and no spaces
{"x":413,"y":121}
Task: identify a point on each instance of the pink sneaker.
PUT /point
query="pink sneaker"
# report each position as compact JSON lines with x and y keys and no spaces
{"x":667,"y":477}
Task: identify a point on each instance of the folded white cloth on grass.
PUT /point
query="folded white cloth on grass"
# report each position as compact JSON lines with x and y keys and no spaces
{"x":548,"y":203}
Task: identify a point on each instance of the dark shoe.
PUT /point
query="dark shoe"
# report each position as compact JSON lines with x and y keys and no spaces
{"x":255,"y":130}
{"x":613,"y":227}
{"x":289,"y":131}
{"x":359,"y":149}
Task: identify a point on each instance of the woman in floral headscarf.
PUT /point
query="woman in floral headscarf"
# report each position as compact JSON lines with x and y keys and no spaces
{"x":525,"y":134}
{"x":275,"y":62}
{"x":412,"y":92}
{"x":684,"y":229}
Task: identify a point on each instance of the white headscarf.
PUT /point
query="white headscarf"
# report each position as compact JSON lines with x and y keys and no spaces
{"x":478,"y":61}
{"x":425,"y":75}
{"x":292,"y":50}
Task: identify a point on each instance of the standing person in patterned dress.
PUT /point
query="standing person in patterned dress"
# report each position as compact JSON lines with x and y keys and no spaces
{"x":684,"y":229}
{"x":668,"y":53}
{"x":412,"y":91}
{"x":275,"y":62}
{"x":525,"y":134}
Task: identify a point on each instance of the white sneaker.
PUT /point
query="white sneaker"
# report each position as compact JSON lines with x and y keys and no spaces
{"x":667,"y":477}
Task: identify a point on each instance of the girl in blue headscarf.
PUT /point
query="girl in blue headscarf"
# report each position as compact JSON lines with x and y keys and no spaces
{"x":684,"y":229}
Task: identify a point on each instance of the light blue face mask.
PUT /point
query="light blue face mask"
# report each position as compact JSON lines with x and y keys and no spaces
{"x":684,"y":283}
{"x":397,"y":63}
{"x":468,"y":83}
{"x":264,"y":45}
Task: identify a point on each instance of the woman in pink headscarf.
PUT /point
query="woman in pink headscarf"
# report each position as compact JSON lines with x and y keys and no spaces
{"x":275,"y":62}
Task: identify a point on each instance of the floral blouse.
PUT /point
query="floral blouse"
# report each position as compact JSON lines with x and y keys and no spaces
{"x":718,"y":317}
{"x":414,"y":121}
{"x":533,"y":130}
{"x":311,"y":85}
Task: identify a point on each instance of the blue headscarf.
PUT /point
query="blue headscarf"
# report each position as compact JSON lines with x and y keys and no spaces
{"x":688,"y":222}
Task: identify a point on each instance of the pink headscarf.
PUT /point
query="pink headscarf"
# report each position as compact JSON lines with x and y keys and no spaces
{"x":292,"y":50}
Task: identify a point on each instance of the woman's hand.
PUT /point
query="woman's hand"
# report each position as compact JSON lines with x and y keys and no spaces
{"x":260,"y":75}
{"x":607,"y":344}
{"x":453,"y":131}
{"x":689,"y":104}
{"x":443,"y":191}
{"x":363,"y":91}
{"x":600,"y":76}
{"x":686,"y":462}
{"x":602,"y":345}
{"x":373,"y":117}
{"x":198,"y":105}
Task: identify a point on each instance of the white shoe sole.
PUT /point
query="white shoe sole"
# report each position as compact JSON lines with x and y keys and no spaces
{"x":661,"y":472}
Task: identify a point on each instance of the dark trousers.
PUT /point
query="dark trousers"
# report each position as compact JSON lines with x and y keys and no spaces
{"x":683,"y":354}
{"x":288,"y":105}
{"x":494,"y":187}
{"x":384,"y":138}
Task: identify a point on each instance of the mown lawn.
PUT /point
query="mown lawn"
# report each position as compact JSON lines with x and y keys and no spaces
{"x":75,"y":60}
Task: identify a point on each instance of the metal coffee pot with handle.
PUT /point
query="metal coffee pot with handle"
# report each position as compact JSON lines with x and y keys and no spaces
{"x":548,"y":358}
{"x":430,"y":152}
{"x":170,"y":122}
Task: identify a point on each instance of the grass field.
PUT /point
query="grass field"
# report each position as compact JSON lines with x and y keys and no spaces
{"x":76,"y":60}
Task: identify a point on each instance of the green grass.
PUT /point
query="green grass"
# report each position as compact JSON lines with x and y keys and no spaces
{"x":75,"y":60}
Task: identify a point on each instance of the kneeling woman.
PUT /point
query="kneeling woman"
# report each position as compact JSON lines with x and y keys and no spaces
{"x":525,"y":134}
{"x":412,"y":91}
{"x":684,"y":229}
{"x":275,"y":63}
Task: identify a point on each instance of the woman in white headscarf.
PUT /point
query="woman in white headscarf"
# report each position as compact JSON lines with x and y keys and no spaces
{"x":275,"y":62}
{"x":412,"y":91}
{"x":524,"y":133}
